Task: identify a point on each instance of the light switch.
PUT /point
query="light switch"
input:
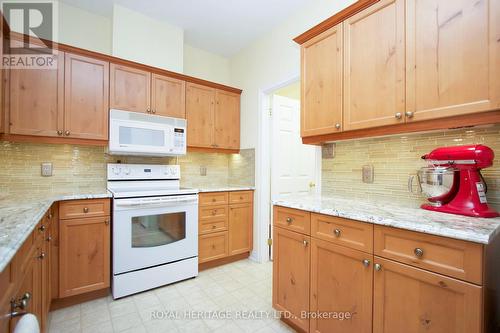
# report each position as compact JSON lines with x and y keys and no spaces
{"x":367,"y":173}
{"x":203,"y":170}
{"x":46,"y":169}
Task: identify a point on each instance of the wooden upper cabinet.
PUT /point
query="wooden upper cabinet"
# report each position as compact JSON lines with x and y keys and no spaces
{"x":341,"y":281}
{"x":291,"y":252}
{"x":86,"y":97}
{"x":374,"y":66}
{"x":130,"y":89}
{"x":227,"y":120}
{"x":168,"y":96}
{"x":36,"y":100}
{"x":321,"y":67}
{"x":453,"y":57}
{"x":408,"y":299}
{"x":200,"y":109}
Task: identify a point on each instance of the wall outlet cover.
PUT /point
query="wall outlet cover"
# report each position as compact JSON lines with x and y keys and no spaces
{"x":46,"y":169}
{"x":203,"y":170}
{"x":328,"y":151}
{"x":367,"y":173}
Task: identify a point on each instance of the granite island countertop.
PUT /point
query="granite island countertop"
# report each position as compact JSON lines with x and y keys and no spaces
{"x":478,"y":230}
{"x":20,"y":214}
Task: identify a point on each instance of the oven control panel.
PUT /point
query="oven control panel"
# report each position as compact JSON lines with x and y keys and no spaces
{"x":118,"y":171}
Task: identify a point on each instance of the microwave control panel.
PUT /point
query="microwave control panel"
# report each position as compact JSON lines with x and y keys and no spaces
{"x":179,"y":138}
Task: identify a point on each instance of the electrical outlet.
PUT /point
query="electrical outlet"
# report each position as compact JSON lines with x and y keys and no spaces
{"x":46,"y":169}
{"x":203,"y":170}
{"x":328,"y":151}
{"x":367,"y":173}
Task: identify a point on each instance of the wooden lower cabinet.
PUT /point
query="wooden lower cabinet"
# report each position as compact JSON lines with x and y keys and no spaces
{"x":240,"y":228}
{"x":213,"y":246}
{"x":84,"y":256}
{"x":341,"y":289}
{"x":291,"y":266}
{"x":412,"y":300}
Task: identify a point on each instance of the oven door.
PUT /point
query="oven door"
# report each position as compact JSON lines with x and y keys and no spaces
{"x":154,"y":231}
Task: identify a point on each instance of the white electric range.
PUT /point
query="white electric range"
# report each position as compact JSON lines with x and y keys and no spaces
{"x":155,"y":227}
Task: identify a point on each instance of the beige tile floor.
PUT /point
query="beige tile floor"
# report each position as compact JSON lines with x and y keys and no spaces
{"x":237,"y":287}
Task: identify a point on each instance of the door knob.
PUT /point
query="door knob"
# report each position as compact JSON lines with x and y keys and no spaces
{"x":409,"y":114}
{"x":312,"y":184}
{"x":398,"y":115}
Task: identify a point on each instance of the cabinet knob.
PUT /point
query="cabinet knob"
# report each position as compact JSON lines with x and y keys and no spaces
{"x":214,"y":212}
{"x":398,"y":115}
{"x":59,"y":133}
{"x":305,"y":242}
{"x":337,"y":126}
{"x":106,"y":222}
{"x":41,"y":256}
{"x":214,"y":226}
{"x":418,"y":252}
{"x":85,"y":210}
{"x":49,"y":239}
{"x":49,"y":216}
{"x":148,"y":110}
{"x":377,"y":267}
{"x":366,"y":262}
{"x":42,"y":227}
{"x":409,"y":114}
{"x":67,"y":133}
{"x":337,"y":232}
{"x":153,"y":111}
{"x":289,"y":220}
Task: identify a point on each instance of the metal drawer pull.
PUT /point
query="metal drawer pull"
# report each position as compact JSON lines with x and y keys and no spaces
{"x":42,"y":227}
{"x":305,"y":243}
{"x":21,"y":303}
{"x":337,"y":232}
{"x":106,"y":222}
{"x":289,"y":220}
{"x":366,"y":262}
{"x":378,"y":267}
{"x":398,"y":115}
{"x":41,"y":256}
{"x":419,"y":252}
{"x":86,"y":210}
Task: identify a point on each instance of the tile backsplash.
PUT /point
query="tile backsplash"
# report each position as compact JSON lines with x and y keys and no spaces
{"x":83,"y":168}
{"x":394,"y":158}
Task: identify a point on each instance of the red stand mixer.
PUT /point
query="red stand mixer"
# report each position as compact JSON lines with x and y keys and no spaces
{"x":453,"y":183}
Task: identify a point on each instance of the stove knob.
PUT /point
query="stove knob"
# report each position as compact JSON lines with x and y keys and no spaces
{"x":127,"y":171}
{"x":116,"y":171}
{"x":174,"y":172}
{"x":167,"y":171}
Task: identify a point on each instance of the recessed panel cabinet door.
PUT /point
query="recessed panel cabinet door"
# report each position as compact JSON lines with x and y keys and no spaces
{"x":200,"y":108}
{"x":86,"y":98}
{"x":36,"y":100}
{"x":291,"y":252}
{"x":130,"y":89}
{"x":374,"y":66}
{"x":168,"y":96}
{"x":84,"y":255}
{"x":341,"y":283}
{"x":240,"y":228}
{"x":412,"y":300}
{"x":227,"y":120}
{"x":453,"y":57}
{"x":321,"y":109}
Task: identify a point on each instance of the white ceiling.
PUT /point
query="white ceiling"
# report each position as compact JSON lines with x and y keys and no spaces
{"x":220,"y":26}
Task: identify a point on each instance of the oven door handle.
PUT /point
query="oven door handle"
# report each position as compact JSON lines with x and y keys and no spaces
{"x":161,"y":202}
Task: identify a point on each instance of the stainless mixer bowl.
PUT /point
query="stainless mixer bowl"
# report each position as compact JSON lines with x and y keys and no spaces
{"x":436,"y":184}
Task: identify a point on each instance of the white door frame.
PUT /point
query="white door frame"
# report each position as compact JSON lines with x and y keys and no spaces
{"x":263,"y":171}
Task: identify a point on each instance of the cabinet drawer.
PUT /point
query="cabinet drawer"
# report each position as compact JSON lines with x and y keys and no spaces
{"x":83,"y":208}
{"x":292,"y":219}
{"x":240,"y":197}
{"x":456,"y":258}
{"x":206,"y":227}
{"x":213,"y":212}
{"x":213,"y":198}
{"x":213,"y":246}
{"x":353,"y":234}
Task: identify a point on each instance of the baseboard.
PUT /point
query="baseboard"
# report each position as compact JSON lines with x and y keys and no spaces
{"x":223,"y":261}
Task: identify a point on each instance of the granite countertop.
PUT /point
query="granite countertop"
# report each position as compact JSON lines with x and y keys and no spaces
{"x":20,"y":214}
{"x":226,"y":188}
{"x":478,"y":230}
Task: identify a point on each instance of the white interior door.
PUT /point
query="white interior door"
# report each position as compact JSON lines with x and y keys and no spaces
{"x":294,"y":166}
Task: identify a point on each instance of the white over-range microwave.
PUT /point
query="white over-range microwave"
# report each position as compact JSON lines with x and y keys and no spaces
{"x":133,"y":133}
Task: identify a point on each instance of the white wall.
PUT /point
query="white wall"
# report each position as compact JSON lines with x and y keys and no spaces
{"x":271,"y":59}
{"x":80,"y":28}
{"x":206,"y":65}
{"x":142,"y":39}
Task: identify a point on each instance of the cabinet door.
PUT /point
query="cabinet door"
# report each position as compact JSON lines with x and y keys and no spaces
{"x":84,"y":262}
{"x":86,"y":97}
{"x":291,"y":261}
{"x":321,"y":98}
{"x":374,"y":70}
{"x":168,"y":96}
{"x":227,"y":120}
{"x":212,"y":246}
{"x":240,"y":228}
{"x":36,"y":100}
{"x":341,"y":286}
{"x":412,"y":300}
{"x":453,"y":57}
{"x":129,"y":89}
{"x":200,"y":109}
